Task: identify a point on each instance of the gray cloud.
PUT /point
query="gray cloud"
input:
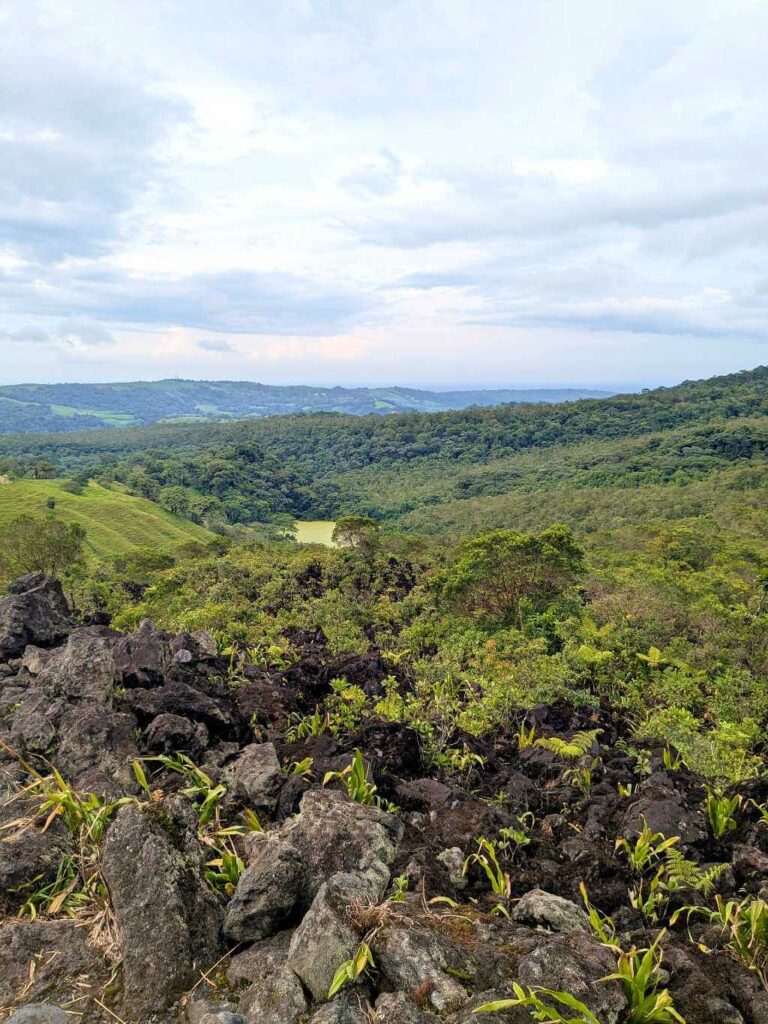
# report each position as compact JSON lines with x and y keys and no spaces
{"x":236,"y":301}
{"x":216,"y":345}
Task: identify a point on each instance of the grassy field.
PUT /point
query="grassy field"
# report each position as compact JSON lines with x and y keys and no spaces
{"x":115,"y":522}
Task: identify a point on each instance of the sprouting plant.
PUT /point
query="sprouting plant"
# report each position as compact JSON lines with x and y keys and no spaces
{"x":577,"y":746}
{"x":205,"y":794}
{"x":355,"y":780}
{"x":351,"y":969}
{"x":626,"y":790}
{"x":745,"y":923}
{"x":141,"y":778}
{"x":252,"y":821}
{"x":602,"y":925}
{"x":525,"y":737}
{"x":540,"y":1003}
{"x":580,"y":776}
{"x":647,"y":848}
{"x":671,"y":760}
{"x":487,"y":857}
{"x":457,"y":761}
{"x":720,"y":811}
{"x":301,"y":768}
{"x":85,"y":815}
{"x":310,"y":725}
{"x":762,"y":810}
{"x":650,"y":897}
{"x":512,"y":837}
{"x":224,"y":871}
{"x":638,"y":971}
{"x":67,"y":893}
{"x":400,"y":888}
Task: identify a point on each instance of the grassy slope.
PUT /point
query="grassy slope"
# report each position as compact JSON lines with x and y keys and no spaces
{"x":115,"y":522}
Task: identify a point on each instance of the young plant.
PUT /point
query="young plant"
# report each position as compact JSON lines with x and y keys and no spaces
{"x":745,"y":923}
{"x":540,"y":1003}
{"x":525,"y":737}
{"x":487,"y":857}
{"x":400,"y":888}
{"x":646,"y":849}
{"x":351,"y":969}
{"x":720,"y":811}
{"x":354,"y":778}
{"x":301,"y":768}
{"x":224,"y":871}
{"x":638,"y":971}
{"x":201,"y":789}
{"x":601,"y":924}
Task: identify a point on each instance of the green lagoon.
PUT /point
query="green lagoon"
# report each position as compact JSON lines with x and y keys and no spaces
{"x":315,"y":531}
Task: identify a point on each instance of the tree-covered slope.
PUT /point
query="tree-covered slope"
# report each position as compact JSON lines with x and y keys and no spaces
{"x":321,"y":465}
{"x":63,"y":408}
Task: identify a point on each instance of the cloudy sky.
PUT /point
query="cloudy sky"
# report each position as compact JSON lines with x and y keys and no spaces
{"x":441,"y":192}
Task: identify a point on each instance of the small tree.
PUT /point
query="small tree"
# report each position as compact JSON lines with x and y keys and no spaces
{"x":501,"y":574}
{"x":28,"y":544}
{"x":357,"y":532}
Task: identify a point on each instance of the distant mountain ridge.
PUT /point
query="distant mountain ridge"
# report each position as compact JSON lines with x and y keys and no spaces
{"x":62,"y":408}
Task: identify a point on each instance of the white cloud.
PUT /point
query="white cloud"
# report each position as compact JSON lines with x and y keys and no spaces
{"x":413,"y":191}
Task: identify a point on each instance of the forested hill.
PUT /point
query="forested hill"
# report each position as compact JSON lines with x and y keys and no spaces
{"x":63,"y":408}
{"x":319,"y":465}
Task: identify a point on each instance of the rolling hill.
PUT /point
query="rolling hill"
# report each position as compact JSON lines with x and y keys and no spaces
{"x":115,"y":522}
{"x":63,"y":408}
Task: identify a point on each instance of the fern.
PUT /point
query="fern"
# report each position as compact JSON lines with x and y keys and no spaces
{"x":577,"y":746}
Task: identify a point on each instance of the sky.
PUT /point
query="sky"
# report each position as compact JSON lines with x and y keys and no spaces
{"x":444,"y":193}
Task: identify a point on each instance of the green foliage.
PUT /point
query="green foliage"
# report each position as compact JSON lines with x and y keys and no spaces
{"x":355,"y":781}
{"x":544,"y":1005}
{"x":351,"y":969}
{"x":487,"y":857}
{"x":204,"y":793}
{"x":45,"y":544}
{"x":647,"y":848}
{"x":744,"y":925}
{"x":570,"y":750}
{"x":720,"y":812}
{"x":503,"y":574}
{"x":638,"y":971}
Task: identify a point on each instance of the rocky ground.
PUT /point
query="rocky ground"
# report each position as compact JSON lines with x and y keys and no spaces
{"x":112,"y":910}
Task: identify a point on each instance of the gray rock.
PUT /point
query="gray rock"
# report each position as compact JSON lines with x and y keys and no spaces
{"x":453,"y":860}
{"x":349,"y":1007}
{"x":39,"y":1013}
{"x":64,"y":962}
{"x":206,"y":1011}
{"x":397,"y":1008}
{"x":34,"y":611}
{"x":35,"y":659}
{"x":168,"y":733}
{"x":326,"y":938}
{"x":160,"y":904}
{"x":576,"y":963}
{"x":333,"y":833}
{"x":256,"y":777}
{"x":259,"y":960}
{"x":142,"y":658}
{"x":665,"y":810}
{"x":413,"y":959}
{"x":541,"y":909}
{"x":91,"y":737}
{"x":278,"y":998}
{"x":29,"y":852}
{"x":267,"y":893}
